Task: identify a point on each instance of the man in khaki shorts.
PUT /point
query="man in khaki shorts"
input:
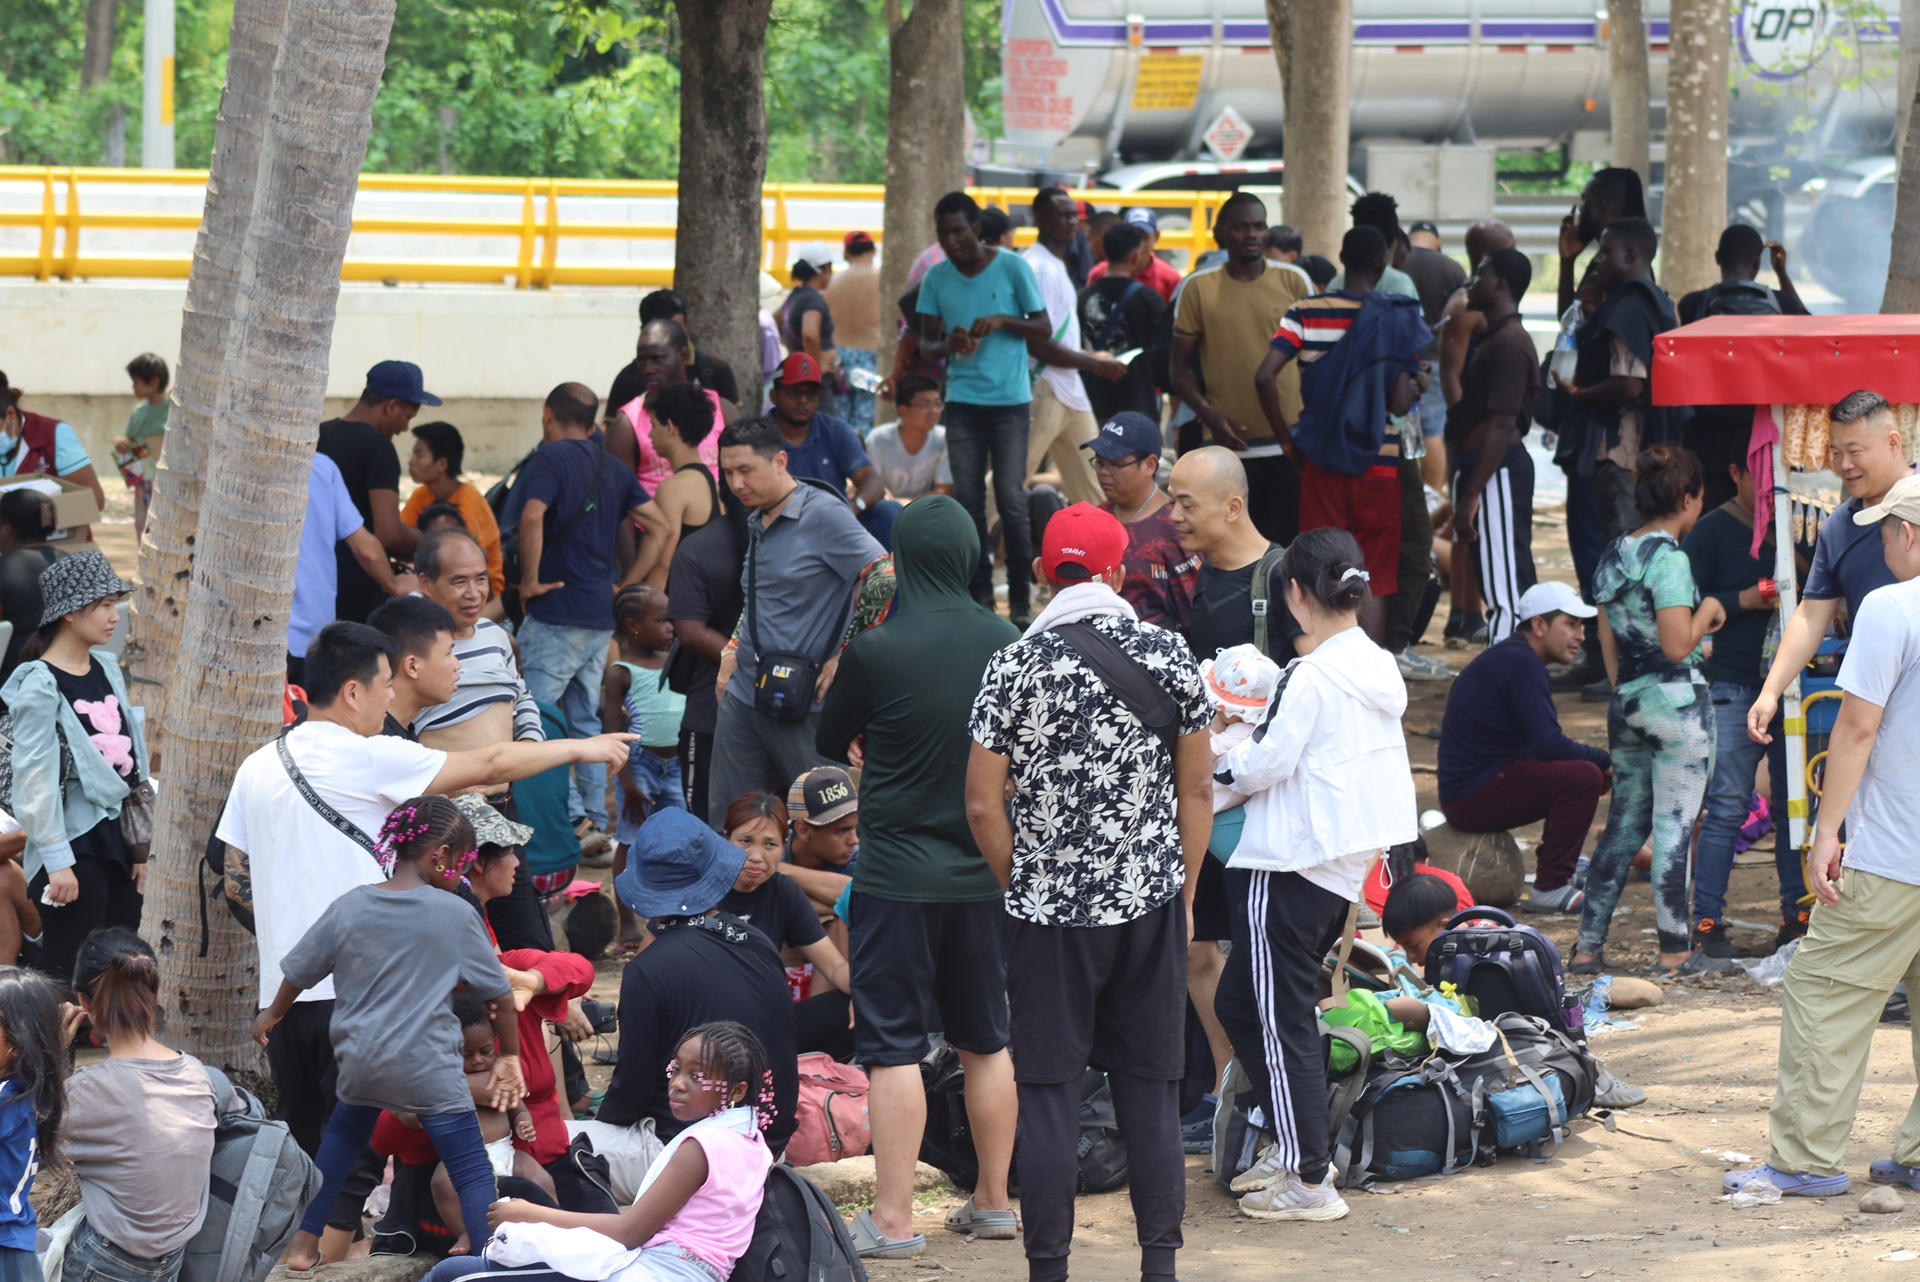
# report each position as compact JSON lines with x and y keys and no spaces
{"x":1864,"y":935}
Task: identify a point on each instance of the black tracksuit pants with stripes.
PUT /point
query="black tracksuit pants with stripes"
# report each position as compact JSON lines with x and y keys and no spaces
{"x":1503,"y":554}
{"x":1283,"y":926}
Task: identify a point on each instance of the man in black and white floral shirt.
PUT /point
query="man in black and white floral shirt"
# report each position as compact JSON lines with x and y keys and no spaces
{"x":1099,"y":852}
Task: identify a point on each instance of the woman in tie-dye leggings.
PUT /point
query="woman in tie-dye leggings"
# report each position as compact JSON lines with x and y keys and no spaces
{"x":1660,"y":726}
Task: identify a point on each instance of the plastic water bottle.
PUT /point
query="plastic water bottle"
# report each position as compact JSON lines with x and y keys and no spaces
{"x":1566,"y":356}
{"x":1599,"y":997}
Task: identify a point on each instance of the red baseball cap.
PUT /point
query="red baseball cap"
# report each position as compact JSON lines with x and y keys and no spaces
{"x":1082,"y":543}
{"x":797,"y":369}
{"x":856,"y":242}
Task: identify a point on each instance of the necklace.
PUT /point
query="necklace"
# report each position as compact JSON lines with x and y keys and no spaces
{"x":1141,"y":511}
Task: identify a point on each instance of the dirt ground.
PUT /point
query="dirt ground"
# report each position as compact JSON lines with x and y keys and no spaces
{"x":1640,"y":1199}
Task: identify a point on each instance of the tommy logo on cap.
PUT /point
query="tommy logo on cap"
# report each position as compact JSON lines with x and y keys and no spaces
{"x":1082,"y":542}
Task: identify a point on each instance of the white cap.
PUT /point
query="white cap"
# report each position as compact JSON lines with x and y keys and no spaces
{"x":1902,"y":501}
{"x":1550,"y":596}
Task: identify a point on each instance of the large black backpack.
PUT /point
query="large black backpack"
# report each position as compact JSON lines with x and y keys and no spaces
{"x":947,"y":1142}
{"x":798,"y":1236}
{"x":1503,"y":967}
{"x":1738,"y":298}
{"x":1437,"y":1115}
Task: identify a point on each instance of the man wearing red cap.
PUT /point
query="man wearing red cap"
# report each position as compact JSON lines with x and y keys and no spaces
{"x":826,"y":448}
{"x":1100,"y":720}
{"x":853,"y":296}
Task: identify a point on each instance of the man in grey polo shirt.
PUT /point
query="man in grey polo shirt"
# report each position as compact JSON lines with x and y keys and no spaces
{"x":805,"y":551}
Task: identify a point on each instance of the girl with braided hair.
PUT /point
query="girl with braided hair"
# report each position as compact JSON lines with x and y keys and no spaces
{"x":396,"y":949}
{"x":695,"y":1213}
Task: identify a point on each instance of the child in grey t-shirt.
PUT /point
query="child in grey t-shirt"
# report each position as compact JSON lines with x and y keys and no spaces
{"x":396,"y":951}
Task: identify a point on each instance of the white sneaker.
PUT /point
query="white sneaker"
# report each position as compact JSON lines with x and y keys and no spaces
{"x":1293,"y":1200}
{"x":1267,"y":1170}
{"x":1419,"y":667}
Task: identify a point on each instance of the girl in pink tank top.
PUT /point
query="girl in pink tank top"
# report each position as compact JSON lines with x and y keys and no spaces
{"x":695,"y":1213}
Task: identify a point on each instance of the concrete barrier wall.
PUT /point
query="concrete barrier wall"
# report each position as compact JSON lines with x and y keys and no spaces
{"x":491,"y":354}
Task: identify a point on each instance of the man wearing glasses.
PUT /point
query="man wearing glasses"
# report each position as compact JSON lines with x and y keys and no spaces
{"x":1159,"y":573}
{"x":912,"y":453}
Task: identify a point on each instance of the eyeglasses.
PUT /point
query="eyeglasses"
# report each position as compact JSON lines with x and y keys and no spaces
{"x":1114,"y":465}
{"x":924,"y":407}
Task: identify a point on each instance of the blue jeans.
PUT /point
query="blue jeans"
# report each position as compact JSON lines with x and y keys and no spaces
{"x":1736,"y":760}
{"x":659,"y":781}
{"x":878,"y":521}
{"x":1433,"y":407}
{"x":979,"y":436}
{"x":563,"y":667}
{"x":456,"y":1138}
{"x":91,"y":1258}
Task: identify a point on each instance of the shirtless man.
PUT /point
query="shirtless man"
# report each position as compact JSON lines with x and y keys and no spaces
{"x":1459,"y":326}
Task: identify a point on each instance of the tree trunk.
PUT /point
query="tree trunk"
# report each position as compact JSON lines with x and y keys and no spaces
{"x":926,"y":142}
{"x":96,"y":56}
{"x":723,"y":161}
{"x":1280,"y":34}
{"x":1315,"y":188}
{"x":226,"y":685}
{"x":1697,"y":104}
{"x":1628,"y":92}
{"x":166,"y":555}
{"x":1909,"y":82}
{"x":1903,"y":269}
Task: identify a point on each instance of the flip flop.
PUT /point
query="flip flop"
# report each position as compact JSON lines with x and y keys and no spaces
{"x":870,"y":1244}
{"x":993,"y":1226}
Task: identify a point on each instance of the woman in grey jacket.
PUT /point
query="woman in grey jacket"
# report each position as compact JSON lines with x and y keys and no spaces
{"x":78,"y":754}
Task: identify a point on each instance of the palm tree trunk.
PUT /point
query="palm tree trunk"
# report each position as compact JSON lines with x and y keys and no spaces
{"x":1697,"y":106}
{"x":926,"y":140}
{"x":1628,"y":93}
{"x":166,"y":555}
{"x":1903,"y":269}
{"x":1280,"y":34}
{"x":226,"y":685}
{"x":1315,"y":190}
{"x":723,"y":160}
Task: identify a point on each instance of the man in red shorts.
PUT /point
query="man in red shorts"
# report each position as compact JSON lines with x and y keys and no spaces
{"x":1357,"y":349}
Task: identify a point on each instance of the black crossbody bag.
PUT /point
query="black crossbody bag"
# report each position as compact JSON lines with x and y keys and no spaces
{"x":783,"y":687}
{"x":1129,"y":681}
{"x":345,"y":826}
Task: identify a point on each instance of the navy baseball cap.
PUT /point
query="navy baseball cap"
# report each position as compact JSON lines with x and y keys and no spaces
{"x":1128,"y":434}
{"x":398,"y":381}
{"x":1142,"y":217}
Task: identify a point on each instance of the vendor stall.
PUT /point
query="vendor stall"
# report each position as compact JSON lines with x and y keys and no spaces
{"x":1791,"y":369}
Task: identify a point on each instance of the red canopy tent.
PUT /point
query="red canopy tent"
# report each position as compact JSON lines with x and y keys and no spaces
{"x":1773,"y":362}
{"x":1787,"y":360}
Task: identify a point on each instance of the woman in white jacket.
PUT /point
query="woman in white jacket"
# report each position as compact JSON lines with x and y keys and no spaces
{"x":1330,"y":787}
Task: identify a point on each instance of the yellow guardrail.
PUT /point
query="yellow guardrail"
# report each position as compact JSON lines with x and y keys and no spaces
{"x":51,"y":202}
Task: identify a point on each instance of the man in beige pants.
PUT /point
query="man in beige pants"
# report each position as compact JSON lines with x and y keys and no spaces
{"x":1062,"y":415}
{"x":1864,"y":935}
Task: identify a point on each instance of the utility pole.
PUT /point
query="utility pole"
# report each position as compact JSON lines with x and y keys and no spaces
{"x":156,"y":64}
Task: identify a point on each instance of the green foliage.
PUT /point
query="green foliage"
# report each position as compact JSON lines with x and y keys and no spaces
{"x":567,"y":88}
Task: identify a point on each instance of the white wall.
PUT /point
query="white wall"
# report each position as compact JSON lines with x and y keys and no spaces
{"x":491,"y":353}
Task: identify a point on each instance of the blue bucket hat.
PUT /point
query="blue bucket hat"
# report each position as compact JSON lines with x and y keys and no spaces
{"x":677,"y":867}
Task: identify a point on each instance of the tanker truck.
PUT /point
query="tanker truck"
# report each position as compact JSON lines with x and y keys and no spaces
{"x":1137,"y":94}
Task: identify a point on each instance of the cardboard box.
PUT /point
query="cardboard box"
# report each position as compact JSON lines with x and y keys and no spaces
{"x":73,"y":506}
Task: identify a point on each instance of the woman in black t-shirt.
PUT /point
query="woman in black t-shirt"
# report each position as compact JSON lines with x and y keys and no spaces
{"x":78,"y":754}
{"x":777,"y":907}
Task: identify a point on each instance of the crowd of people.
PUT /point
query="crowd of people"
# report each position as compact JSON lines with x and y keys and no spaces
{"x":1065,"y":705}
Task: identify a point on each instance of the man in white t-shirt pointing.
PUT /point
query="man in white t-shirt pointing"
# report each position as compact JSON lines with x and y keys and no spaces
{"x":294,"y":845}
{"x":1863,"y":938}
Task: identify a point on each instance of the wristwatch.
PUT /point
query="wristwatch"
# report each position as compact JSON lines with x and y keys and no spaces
{"x":859,"y":504}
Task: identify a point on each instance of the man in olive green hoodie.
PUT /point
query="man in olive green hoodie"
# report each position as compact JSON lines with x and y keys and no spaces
{"x":925,"y":912}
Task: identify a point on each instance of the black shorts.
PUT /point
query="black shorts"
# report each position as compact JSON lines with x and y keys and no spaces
{"x":1107,"y":997}
{"x":917,"y":967}
{"x":1212,"y":914}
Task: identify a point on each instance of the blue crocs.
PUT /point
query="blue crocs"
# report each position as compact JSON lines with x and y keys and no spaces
{"x":1196,"y":1128}
{"x":1789,"y":1184}
{"x":1888,"y":1171}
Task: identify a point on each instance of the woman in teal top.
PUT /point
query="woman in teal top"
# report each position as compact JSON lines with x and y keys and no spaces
{"x":1660,"y":724}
